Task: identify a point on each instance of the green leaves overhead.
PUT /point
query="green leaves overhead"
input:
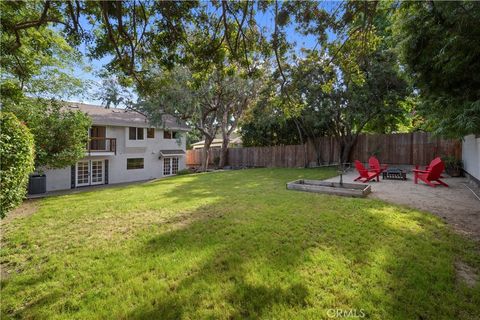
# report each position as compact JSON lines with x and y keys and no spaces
{"x":35,"y":59}
{"x":439,"y":43}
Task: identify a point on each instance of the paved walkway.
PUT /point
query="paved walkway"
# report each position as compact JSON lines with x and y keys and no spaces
{"x":458,"y":205}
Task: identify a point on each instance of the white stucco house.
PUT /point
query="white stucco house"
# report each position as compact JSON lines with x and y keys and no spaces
{"x":123,"y":147}
{"x":471,"y":157}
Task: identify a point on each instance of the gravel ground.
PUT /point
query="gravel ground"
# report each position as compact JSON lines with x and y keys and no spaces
{"x":456,"y":204}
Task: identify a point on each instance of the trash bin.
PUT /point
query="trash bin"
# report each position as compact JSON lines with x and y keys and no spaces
{"x":37,"y":184}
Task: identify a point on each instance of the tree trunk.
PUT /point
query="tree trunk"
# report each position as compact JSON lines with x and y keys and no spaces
{"x":225,"y":137}
{"x":346,"y":145}
{"x":345,"y":148}
{"x":300,"y":136}
{"x":316,"y":148}
{"x":224,"y":151}
{"x":206,"y":153}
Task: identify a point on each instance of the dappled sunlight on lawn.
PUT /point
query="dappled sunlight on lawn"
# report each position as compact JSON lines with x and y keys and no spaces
{"x":199,"y":247}
{"x":403,"y":219}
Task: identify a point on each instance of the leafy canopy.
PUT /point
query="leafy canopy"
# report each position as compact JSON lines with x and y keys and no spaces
{"x":60,"y":135}
{"x":439,"y":43}
{"x":36,"y":60}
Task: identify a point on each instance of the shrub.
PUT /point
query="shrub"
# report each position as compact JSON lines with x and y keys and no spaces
{"x":60,"y":134}
{"x":183,"y":172}
{"x":17,"y":158}
{"x":452,"y":163}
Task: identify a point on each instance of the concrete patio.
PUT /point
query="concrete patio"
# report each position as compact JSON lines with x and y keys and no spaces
{"x":457,"y":204}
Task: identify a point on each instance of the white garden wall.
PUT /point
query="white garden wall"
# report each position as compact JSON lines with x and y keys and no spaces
{"x":471,"y":155}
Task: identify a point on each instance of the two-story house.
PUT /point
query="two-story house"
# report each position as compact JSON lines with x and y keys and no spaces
{"x":123,"y":147}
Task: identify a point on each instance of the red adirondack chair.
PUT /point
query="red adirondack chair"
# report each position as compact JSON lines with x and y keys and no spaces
{"x":364,"y":174}
{"x":433,"y":172}
{"x":375,"y":166}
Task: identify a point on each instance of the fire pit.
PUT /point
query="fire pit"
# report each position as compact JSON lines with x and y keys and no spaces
{"x":335,"y":188}
{"x":394,"y":174}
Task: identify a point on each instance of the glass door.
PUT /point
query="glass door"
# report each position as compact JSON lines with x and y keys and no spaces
{"x":97,"y":138}
{"x":170,"y":166}
{"x":96,"y":169}
{"x":82,"y":174}
{"x":166,"y":167}
{"x":174,"y":165}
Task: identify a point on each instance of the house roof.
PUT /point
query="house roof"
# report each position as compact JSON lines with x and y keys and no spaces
{"x":201,"y":143}
{"x":169,"y":153}
{"x":122,"y":117}
{"x":237,"y":140}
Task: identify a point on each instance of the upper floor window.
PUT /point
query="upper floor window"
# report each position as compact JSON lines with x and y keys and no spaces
{"x":135,"y":133}
{"x":167,"y":134}
{"x":151,"y":133}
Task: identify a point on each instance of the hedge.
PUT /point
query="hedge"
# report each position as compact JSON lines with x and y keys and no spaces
{"x":17,"y":161}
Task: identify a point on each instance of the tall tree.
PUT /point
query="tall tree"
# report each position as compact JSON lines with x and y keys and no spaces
{"x":193,"y":98}
{"x":112,"y":93}
{"x":267,"y":125}
{"x":439,"y":43}
{"x":60,"y":135}
{"x":351,"y":79}
{"x":239,"y":94}
{"x":209,"y":101}
{"x":343,"y":104}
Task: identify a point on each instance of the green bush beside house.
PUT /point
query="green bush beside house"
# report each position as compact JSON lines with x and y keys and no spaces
{"x":17,"y":159}
{"x":60,"y":135}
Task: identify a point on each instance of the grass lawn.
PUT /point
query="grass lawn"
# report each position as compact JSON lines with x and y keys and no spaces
{"x":231,"y":245}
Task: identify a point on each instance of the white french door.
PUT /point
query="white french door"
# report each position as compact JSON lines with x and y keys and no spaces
{"x":82,"y":176}
{"x":170,"y":166}
{"x":96,"y":171}
{"x":90,"y":172}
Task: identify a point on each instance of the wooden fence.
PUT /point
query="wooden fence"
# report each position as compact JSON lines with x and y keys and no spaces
{"x":402,"y":148}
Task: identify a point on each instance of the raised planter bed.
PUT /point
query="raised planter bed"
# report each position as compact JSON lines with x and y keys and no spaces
{"x":335,"y":188}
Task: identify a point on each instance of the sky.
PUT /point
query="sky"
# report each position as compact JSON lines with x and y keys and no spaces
{"x":265,"y":20}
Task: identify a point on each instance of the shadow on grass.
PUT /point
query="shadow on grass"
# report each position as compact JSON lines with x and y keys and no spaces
{"x":391,"y":262}
{"x":247,"y":248}
{"x":247,"y":301}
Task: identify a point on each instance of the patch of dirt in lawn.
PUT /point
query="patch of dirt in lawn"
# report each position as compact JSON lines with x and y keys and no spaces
{"x":27,"y":208}
{"x":119,"y":226}
{"x":466,"y":274}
